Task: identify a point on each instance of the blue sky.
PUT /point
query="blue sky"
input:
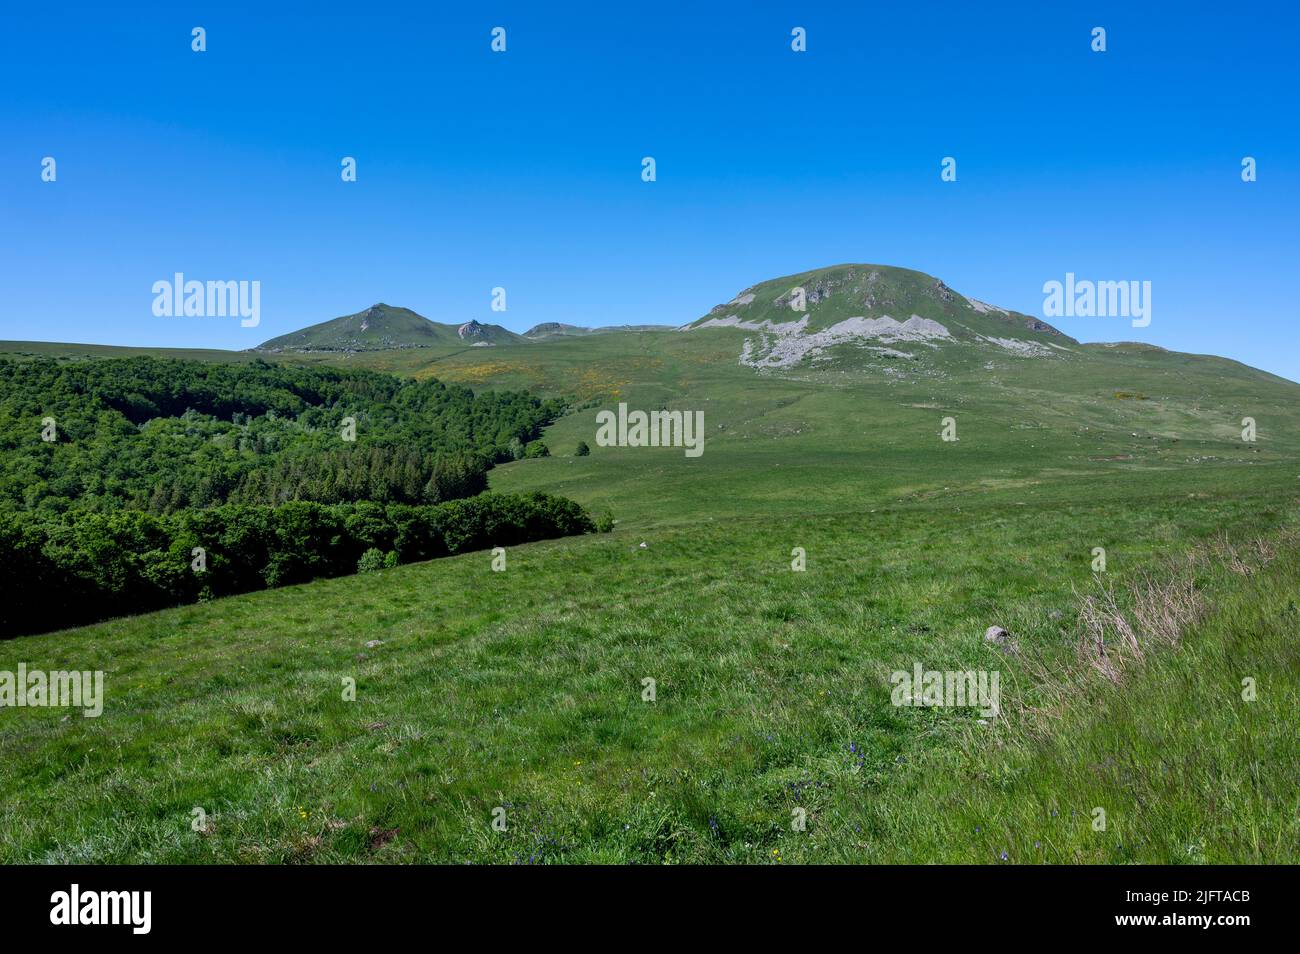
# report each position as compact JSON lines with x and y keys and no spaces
{"x":522,"y":169}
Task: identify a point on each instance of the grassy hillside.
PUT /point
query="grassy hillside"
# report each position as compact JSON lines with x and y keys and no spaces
{"x":523,"y":690}
{"x":1188,"y":766}
{"x":849,"y":433}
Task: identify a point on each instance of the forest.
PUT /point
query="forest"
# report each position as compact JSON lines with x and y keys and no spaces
{"x":128,"y":485}
{"x":164,"y":435}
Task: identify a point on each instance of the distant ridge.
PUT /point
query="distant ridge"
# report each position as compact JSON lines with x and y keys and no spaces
{"x":555,"y":329}
{"x":384,"y":327}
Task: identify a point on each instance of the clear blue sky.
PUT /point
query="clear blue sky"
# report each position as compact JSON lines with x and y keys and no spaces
{"x":522,"y":169}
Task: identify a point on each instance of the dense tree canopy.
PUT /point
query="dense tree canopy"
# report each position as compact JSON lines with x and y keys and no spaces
{"x":162,"y":435}
{"x":78,"y":568}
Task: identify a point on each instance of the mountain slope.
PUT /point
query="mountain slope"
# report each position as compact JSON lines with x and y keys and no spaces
{"x":477,"y":333}
{"x":383,"y":327}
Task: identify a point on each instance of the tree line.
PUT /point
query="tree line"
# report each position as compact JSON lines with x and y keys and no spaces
{"x":79,"y":568}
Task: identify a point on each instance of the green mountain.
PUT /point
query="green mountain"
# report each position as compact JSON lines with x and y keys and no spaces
{"x":476,"y":333}
{"x":886,"y":311}
{"x":383,"y":327}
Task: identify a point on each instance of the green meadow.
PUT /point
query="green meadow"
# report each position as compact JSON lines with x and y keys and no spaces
{"x":522,"y":697}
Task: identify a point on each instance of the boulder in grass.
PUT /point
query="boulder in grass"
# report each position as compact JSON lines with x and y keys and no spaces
{"x":1002,"y":639}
